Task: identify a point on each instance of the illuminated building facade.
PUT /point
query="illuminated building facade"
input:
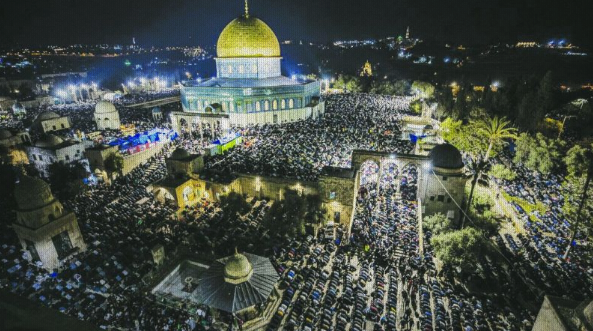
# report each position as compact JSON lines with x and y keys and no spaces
{"x":367,"y":70}
{"x":249,"y":87}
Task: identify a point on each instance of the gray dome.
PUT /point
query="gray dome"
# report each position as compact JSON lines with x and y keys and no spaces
{"x":156,"y":110}
{"x":179,"y":154}
{"x":446,"y":156}
{"x":104,"y":107}
{"x":47,"y":115}
{"x":49,"y":140}
{"x":31,"y":193}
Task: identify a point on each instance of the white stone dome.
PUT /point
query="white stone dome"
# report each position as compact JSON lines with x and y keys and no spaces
{"x":105,"y":107}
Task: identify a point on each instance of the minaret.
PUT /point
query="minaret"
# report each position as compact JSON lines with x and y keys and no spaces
{"x":408,"y":33}
{"x":246,"y":8}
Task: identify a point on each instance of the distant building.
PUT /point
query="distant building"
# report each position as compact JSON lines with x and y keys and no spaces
{"x":367,"y":70}
{"x":13,"y":151}
{"x":49,"y":121}
{"x":46,"y":231}
{"x":9,"y":139}
{"x":50,"y":149}
{"x":561,"y":314}
{"x":106,"y":116}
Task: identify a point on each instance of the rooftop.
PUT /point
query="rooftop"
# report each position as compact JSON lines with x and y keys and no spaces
{"x":247,"y":82}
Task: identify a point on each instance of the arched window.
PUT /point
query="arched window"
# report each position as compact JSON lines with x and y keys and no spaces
{"x":225,"y":105}
{"x":232,"y":107}
{"x":230,"y":69}
{"x":291,"y":103}
{"x":254,"y":68}
{"x":257,"y":106}
{"x":283,"y":104}
{"x":275,"y":104}
{"x":241,"y":69}
{"x":266,"y":105}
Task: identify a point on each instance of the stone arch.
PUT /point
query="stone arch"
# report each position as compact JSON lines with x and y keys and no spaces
{"x":369,"y":172}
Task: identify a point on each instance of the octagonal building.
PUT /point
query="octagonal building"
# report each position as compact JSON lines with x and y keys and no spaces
{"x":249,"y":87}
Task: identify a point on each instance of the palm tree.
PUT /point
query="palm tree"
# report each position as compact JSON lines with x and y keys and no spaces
{"x":581,"y":203}
{"x":496,"y":130}
{"x":476,"y":165}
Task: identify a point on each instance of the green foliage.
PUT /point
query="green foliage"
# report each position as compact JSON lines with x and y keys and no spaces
{"x":234,"y":203}
{"x":463,"y":136}
{"x":460,"y":248}
{"x":577,"y":161}
{"x":114,"y":163}
{"x":539,"y":153}
{"x":399,"y":87}
{"x":486,"y":222}
{"x":482,"y":200}
{"x":425,"y":89}
{"x":495,"y":130}
{"x":348,"y":83}
{"x":500,"y":171}
{"x":437,"y":224}
{"x":290,"y":215}
{"x":527,"y":206}
{"x":66,"y":179}
{"x":416,"y":106}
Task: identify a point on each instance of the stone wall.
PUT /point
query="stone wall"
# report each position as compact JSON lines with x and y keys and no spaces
{"x":41,"y":238}
{"x":134,"y":160}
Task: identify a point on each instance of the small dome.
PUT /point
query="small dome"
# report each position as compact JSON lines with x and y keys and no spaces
{"x":104,"y":107}
{"x":446,"y":156}
{"x":179,"y":154}
{"x":237,"y":269}
{"x":247,"y":36}
{"x":49,"y":140}
{"x":47,"y":115}
{"x":5,"y":134}
{"x":31,"y":193}
{"x":156,"y":110}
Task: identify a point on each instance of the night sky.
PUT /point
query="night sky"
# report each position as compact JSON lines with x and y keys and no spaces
{"x":198,"y":22}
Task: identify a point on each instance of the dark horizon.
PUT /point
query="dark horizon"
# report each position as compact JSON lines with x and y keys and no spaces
{"x":199,"y":22}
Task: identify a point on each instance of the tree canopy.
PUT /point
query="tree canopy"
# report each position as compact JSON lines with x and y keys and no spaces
{"x":461,"y":248}
{"x":437,"y":224}
{"x":114,"y":163}
{"x":539,"y":153}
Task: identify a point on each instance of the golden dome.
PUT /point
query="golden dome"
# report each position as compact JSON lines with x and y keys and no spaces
{"x":237,"y":269}
{"x":247,"y":36}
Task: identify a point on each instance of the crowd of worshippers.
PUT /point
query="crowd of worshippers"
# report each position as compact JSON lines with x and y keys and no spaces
{"x":81,"y":116}
{"x":377,"y":279}
{"x":301,"y":149}
{"x":538,"y":253}
{"x":105,"y":285}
